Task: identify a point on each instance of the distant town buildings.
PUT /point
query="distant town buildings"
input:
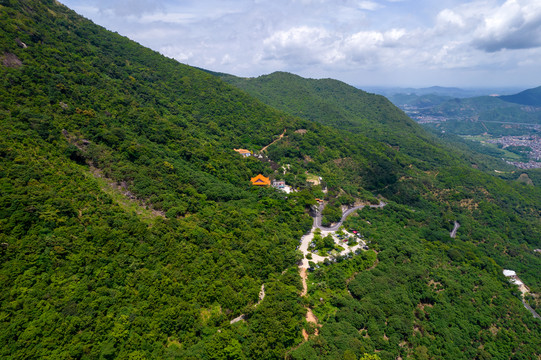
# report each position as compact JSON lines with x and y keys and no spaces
{"x":531,"y":141}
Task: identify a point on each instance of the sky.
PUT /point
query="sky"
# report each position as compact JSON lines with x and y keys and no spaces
{"x":407,"y":43}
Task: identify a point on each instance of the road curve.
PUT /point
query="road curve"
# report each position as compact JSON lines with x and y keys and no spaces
{"x":317,"y":218}
{"x":527,"y":306}
{"x":453,"y":232}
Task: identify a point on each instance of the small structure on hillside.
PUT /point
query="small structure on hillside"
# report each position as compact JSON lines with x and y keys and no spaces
{"x":260,"y":180}
{"x":244,"y":152}
{"x":279,"y":184}
{"x":513,"y":278}
{"x":282,"y":186}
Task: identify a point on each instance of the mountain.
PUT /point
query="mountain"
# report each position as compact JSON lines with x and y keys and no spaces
{"x":334,"y":103}
{"x":440,"y":91}
{"x":129,"y":227}
{"x":417,"y":101}
{"x":530,"y":97}
{"x":339,"y":105}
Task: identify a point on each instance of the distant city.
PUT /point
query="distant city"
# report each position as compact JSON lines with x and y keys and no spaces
{"x":531,"y":141}
{"x":444,"y":108}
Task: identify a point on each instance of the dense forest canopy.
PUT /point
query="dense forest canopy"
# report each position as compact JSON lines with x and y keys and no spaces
{"x":129,"y":228}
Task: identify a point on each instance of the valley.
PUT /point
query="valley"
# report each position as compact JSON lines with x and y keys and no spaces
{"x":523,"y":151}
{"x":510,"y":121}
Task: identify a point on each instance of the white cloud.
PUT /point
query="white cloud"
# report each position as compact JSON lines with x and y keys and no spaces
{"x":316,"y":45}
{"x":514,"y":25}
{"x":449,"y":17}
{"x":178,"y":53}
{"x":170,"y":17}
{"x":369,"y":5}
{"x":332,"y":37}
{"x":131,"y":7}
{"x":301,"y":45}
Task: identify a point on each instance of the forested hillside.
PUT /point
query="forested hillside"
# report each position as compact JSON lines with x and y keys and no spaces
{"x":334,"y":103}
{"x":342,"y":106}
{"x":129,"y":227}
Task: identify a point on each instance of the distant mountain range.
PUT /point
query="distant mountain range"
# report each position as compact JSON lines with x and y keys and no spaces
{"x":530,"y":97}
{"x":452,"y":92}
{"x":334,"y":103}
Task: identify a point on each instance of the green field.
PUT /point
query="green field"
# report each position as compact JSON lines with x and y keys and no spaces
{"x":508,"y":155}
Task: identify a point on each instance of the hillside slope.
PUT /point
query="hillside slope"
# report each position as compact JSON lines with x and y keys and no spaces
{"x":129,"y":228}
{"x":342,"y":106}
{"x":530,"y":97}
{"x":128,"y":224}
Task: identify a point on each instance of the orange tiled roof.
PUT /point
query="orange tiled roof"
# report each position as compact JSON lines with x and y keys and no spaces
{"x":243,"y":151}
{"x":260,"y":180}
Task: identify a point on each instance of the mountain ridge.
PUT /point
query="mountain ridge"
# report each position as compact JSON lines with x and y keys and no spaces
{"x":530,"y":97}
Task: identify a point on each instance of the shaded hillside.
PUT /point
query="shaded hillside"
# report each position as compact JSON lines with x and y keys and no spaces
{"x":129,"y":228}
{"x":530,"y":97}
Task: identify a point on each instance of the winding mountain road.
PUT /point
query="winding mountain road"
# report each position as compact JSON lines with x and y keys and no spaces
{"x":307,"y":239}
{"x":317,"y":218}
{"x":453,"y":232}
{"x":530,"y":309}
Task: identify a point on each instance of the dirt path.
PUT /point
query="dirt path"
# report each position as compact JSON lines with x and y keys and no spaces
{"x":278,"y":139}
{"x":261,"y":295}
{"x":303,"y":266}
{"x":241,"y":317}
{"x":304,"y":276}
{"x":311,"y":318}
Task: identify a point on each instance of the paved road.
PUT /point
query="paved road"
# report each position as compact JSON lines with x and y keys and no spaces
{"x":307,"y":239}
{"x":453,"y":232}
{"x":317,"y":218}
{"x":527,"y":306}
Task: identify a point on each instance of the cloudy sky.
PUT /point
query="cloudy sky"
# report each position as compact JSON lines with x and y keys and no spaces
{"x":467,"y":43}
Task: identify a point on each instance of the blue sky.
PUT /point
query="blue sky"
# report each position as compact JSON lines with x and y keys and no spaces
{"x":475,"y":43}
